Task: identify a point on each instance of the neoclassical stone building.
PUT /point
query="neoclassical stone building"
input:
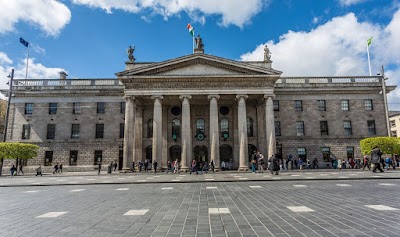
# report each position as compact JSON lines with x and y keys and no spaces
{"x":198,"y":107}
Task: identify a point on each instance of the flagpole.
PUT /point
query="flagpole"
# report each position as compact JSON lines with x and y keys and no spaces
{"x":369,"y":61}
{"x":193,"y":41}
{"x":27,"y":62}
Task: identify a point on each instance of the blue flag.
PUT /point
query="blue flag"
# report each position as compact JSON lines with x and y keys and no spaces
{"x":25,"y":43}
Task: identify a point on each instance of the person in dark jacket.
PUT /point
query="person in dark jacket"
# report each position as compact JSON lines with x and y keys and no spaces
{"x":376,"y":159}
{"x":155,"y":166}
{"x":274,"y":165}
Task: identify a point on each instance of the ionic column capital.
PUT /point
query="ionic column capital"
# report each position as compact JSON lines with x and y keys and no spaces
{"x":213,"y":96}
{"x":238,"y":97}
{"x":129,"y":97}
{"x":266,"y":96}
{"x":182,"y":97}
{"x":160,"y":97}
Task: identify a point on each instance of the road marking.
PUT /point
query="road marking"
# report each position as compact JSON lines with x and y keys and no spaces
{"x":310,"y":177}
{"x":167,"y":188}
{"x":353,"y":174}
{"x":77,"y":190}
{"x":237,"y":176}
{"x":257,"y":186}
{"x":210,"y":179}
{"x":32,"y":191}
{"x":136,"y":212}
{"x":73,"y":182}
{"x":211,"y":187}
{"x":386,"y":184}
{"x":122,"y":189}
{"x":142,"y":180}
{"x":51,"y":214}
{"x":343,"y":177}
{"x":176,"y":180}
{"x":382,"y":207}
{"x":343,"y":185}
{"x":182,"y":175}
{"x":299,"y":186}
{"x":295,"y":175}
{"x":218,"y":211}
{"x":243,"y":178}
{"x":300,"y":209}
{"x":376,"y":176}
{"x":276,"y":178}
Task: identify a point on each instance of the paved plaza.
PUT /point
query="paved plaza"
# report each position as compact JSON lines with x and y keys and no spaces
{"x":293,"y":206}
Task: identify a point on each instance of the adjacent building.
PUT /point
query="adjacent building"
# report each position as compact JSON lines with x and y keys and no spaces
{"x":394,"y":123}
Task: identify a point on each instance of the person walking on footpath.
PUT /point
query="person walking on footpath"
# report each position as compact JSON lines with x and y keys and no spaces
{"x":13,"y":170}
{"x":275,"y":165}
{"x":261,"y":162}
{"x":39,"y":170}
{"x":115,"y":166}
{"x":176,"y":166}
{"x":146,"y":166}
{"x":155,"y":166}
{"x":223,"y":165}
{"x":193,"y":167}
{"x":212,"y":166}
{"x":60,"y":168}
{"x":339,"y":164}
{"x":169,"y":166}
{"x":376,"y":159}
{"x":300,"y":163}
{"x":55,"y":169}
{"x":20,"y":169}
{"x":366,"y":163}
{"x":99,"y":168}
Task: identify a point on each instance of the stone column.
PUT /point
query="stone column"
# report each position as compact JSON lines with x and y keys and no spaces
{"x":242,"y":130}
{"x":138,"y":153}
{"x":129,"y":141}
{"x":157,"y":129}
{"x":270,"y":125}
{"x":186,"y":133}
{"x":214,"y":134}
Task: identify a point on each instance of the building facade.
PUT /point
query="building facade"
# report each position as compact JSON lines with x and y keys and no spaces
{"x":198,"y":107}
{"x":394,"y":123}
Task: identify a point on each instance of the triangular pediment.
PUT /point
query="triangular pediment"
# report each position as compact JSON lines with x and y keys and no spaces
{"x":200,"y":65}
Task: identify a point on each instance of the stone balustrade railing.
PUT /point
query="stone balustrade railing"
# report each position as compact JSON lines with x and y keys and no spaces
{"x":315,"y":80}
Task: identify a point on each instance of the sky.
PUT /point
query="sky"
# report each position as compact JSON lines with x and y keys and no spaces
{"x":88,"y":38}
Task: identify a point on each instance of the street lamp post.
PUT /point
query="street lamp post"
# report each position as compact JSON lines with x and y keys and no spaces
{"x":385,"y":101}
{"x":7,"y":115}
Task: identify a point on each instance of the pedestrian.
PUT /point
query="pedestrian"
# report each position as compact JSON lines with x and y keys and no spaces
{"x":315,"y":163}
{"x":146,"y":165}
{"x":205,"y":168}
{"x":169,"y":166}
{"x":55,"y":170}
{"x":60,"y":169}
{"x":155,"y":166}
{"x":99,"y":168}
{"x":223,"y":165}
{"x":212,"y":165}
{"x":39,"y":170}
{"x":20,"y":169}
{"x":300,"y":163}
{"x":260,"y":162}
{"x":193,"y":167}
{"x":111,"y":167}
{"x":308,"y":164}
{"x":358,"y":163}
{"x":366,"y":163}
{"x":115,"y":166}
{"x":133,"y":166}
{"x":176,"y":166}
{"x":275,"y":165}
{"x":13,"y":170}
{"x":339,"y":164}
{"x":253,"y":162}
{"x":376,"y":157}
{"x":140,"y":166}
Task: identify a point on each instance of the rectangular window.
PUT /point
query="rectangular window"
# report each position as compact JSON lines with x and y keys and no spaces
{"x":394,"y":133}
{"x":350,"y":152}
{"x":75,"y":130}
{"x":101,"y":107}
{"x":52,"y":108}
{"x":73,"y":158}
{"x":121,"y":130}
{"x":345,"y":105}
{"x":100,"y":130}
{"x":347,"y":128}
{"x":28,"y":108}
{"x":48,"y":158}
{"x":302,"y":153}
{"x":368,"y":105}
{"x":76,"y":108}
{"x":300,"y":128}
{"x":392,"y":123}
{"x":326,"y":153}
{"x":276,"y":105}
{"x":98,"y":157}
{"x":51,"y":131}
{"x":298,"y":105}
{"x":371,"y":127}
{"x":321,"y":105}
{"x":278,"y":128}
{"x":323,"y":125}
{"x":122,"y":108}
{"x":26,"y":131}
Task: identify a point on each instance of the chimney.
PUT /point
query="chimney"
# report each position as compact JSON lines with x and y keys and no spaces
{"x":63,"y":75}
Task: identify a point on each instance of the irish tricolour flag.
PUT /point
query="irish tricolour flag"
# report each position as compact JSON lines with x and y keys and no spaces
{"x":191,"y":29}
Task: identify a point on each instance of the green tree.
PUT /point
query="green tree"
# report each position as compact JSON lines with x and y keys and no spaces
{"x":17,"y":150}
{"x":388,"y":145}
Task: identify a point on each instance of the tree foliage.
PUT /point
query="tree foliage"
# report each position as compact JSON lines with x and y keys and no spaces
{"x":14,"y":150}
{"x":388,"y":145}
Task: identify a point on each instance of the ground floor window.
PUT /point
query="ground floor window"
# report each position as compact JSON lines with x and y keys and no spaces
{"x":302,"y":153}
{"x":48,"y":158}
{"x":326,"y":153}
{"x":350,"y":152}
{"x":98,"y":157}
{"x":225,"y":153}
{"x":73,"y":158}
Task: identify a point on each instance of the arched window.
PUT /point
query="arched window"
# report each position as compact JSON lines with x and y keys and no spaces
{"x":200,"y":126}
{"x":150,"y":128}
{"x":249,"y":127}
{"x":176,"y":129}
{"x":224,"y":128}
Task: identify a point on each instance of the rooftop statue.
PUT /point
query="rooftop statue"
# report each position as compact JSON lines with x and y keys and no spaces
{"x":199,"y":43}
{"x":130,"y":52}
{"x":267,"y":54}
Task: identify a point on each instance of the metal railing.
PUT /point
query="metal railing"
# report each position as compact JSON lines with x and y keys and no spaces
{"x":68,"y":82}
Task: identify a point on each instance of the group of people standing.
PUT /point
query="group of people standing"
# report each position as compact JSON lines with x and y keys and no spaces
{"x":273,"y":164}
{"x":13,"y":170}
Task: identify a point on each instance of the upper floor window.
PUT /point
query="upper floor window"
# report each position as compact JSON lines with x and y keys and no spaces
{"x":176,"y":129}
{"x":345,"y":105}
{"x":323,"y":125}
{"x":75,"y":130}
{"x":250,"y":128}
{"x":73,"y":158}
{"x":28,"y":108}
{"x":76,"y":108}
{"x":48,"y":158}
{"x":150,"y":128}
{"x":200,"y":126}
{"x":321,"y":105}
{"x":276,"y":105}
{"x":302,"y":153}
{"x":122,"y":107}
{"x":52,"y":108}
{"x":300,"y":128}
{"x":100,"y":130}
{"x":51,"y":131}
{"x":368,"y":105}
{"x":371,"y":127}
{"x":121,"y":130}
{"x":101,"y":107}
{"x":298,"y":105}
{"x":224,"y":128}
{"x":347,"y":128}
{"x":278,"y":128}
{"x":26,"y":131}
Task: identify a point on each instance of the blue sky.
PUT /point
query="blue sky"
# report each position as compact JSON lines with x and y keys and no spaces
{"x":88,"y":38}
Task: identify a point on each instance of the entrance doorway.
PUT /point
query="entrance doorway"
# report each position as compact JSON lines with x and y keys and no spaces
{"x":120,"y":159}
{"x":201,"y":154}
{"x":175,"y":153}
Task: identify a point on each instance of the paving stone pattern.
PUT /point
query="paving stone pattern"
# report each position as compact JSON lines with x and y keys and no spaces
{"x":366,"y":208}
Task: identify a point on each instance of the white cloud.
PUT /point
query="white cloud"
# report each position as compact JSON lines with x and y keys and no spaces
{"x":234,"y":12}
{"x":338,"y":48}
{"x":315,"y":20}
{"x":49,"y":15}
{"x":350,"y":2}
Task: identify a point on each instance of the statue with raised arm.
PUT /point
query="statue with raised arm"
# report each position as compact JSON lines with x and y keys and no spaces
{"x":267,"y":54}
{"x":130,"y":52}
{"x":199,"y":43}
